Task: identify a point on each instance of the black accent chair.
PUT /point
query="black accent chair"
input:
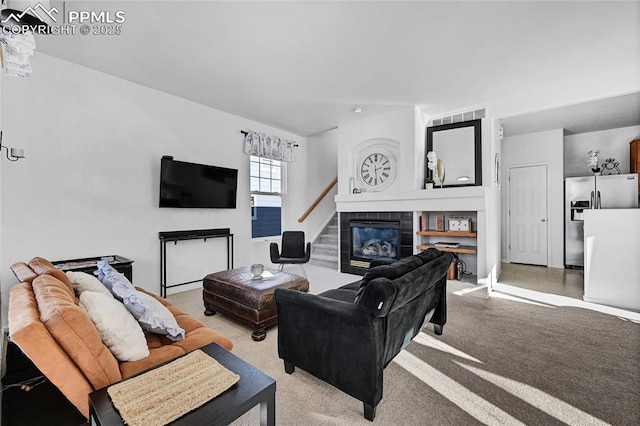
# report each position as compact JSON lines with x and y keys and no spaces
{"x":347,"y":336}
{"x":294,"y":250}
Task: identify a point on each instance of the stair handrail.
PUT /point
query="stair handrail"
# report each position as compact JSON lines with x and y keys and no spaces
{"x":318,"y":200}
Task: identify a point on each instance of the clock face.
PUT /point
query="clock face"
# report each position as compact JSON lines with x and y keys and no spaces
{"x":375,"y":170}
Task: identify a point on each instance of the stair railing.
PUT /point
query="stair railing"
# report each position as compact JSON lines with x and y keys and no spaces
{"x":318,"y":200}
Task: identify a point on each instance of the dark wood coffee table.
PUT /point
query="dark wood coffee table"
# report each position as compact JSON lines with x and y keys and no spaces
{"x":246,"y":300}
{"x":253,"y":388}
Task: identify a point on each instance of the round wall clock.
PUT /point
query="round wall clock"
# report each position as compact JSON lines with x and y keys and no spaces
{"x":377,"y":170}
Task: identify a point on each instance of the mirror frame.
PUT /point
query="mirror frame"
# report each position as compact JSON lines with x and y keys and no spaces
{"x":477,"y":145}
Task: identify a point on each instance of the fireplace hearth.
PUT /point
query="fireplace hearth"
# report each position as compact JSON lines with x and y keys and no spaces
{"x":365,"y":236}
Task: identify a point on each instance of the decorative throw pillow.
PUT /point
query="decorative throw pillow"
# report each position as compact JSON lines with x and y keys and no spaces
{"x":82,"y":282}
{"x":152,"y":315}
{"x":109,"y":277}
{"x":120,"y":332}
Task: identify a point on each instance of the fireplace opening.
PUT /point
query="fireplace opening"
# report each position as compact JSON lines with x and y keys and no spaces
{"x":374,"y":240}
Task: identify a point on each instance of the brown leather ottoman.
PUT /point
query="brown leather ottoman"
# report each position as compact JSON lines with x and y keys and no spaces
{"x":249,"y":301}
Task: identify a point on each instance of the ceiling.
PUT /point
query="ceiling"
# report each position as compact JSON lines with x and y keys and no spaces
{"x":304,"y":66}
{"x":603,"y":114}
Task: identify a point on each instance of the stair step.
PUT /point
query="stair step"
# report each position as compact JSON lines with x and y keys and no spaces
{"x":330,"y":249}
{"x":325,"y":250}
{"x":324,"y":257}
{"x":325,"y":264}
{"x":331,"y":230}
{"x":329,"y":239}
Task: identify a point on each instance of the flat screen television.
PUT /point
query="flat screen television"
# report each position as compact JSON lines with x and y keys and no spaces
{"x":191,"y":185}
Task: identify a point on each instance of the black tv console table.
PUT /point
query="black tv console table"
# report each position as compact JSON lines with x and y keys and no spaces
{"x":195,"y":234}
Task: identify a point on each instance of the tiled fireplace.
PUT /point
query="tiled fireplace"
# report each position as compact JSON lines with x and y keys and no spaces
{"x":365,"y":236}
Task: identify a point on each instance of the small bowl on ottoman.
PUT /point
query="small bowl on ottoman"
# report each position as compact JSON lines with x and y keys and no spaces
{"x":256,"y":270}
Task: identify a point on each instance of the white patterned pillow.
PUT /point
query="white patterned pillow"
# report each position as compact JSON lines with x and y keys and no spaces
{"x":152,"y":315}
{"x":110,"y":277}
{"x":82,"y":282}
{"x":119,"y":331}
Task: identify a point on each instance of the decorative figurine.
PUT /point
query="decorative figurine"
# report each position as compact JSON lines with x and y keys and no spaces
{"x":610,"y":167}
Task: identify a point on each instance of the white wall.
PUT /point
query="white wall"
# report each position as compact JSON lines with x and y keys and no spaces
{"x":398,"y":127}
{"x":531,"y":149}
{"x":89,"y":184}
{"x":612,"y":143}
{"x":318,"y":168}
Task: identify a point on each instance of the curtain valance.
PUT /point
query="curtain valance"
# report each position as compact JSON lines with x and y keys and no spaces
{"x":269,"y":146}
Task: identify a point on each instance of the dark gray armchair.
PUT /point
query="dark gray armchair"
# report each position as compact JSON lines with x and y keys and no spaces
{"x":294,"y":250}
{"x":347,"y":336}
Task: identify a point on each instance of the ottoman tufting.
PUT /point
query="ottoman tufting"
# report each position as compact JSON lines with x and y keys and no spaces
{"x":246,"y":300}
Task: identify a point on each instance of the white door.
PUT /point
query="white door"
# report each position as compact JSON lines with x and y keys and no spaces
{"x":528,"y":215}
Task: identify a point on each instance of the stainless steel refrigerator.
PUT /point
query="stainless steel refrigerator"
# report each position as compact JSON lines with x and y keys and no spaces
{"x":592,"y":192}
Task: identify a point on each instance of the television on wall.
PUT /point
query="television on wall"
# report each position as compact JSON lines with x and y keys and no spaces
{"x":191,"y":185}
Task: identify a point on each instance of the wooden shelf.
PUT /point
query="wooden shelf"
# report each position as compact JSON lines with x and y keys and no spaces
{"x":449,"y":233}
{"x":461,"y":249}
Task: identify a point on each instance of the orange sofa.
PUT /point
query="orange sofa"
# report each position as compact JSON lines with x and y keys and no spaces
{"x":57,"y":335}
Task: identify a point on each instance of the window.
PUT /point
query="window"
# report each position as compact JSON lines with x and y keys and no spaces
{"x":266,"y":178}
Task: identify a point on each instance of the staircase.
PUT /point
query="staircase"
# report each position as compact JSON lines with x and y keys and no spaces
{"x":324,"y":251}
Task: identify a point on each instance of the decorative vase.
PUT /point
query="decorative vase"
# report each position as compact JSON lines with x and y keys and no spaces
{"x":256,"y":270}
{"x":440,"y":172}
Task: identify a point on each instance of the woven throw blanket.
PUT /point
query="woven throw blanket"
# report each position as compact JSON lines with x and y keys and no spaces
{"x":160,"y":396}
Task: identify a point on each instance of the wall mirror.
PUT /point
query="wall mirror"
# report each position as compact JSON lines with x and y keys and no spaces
{"x":459,"y":146}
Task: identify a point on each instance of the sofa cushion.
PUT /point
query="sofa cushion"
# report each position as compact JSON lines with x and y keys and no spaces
{"x":150,"y":313}
{"x":428,"y":255}
{"x":418,"y":281}
{"x":42,"y":266}
{"x":81,"y":282}
{"x":391,"y":272}
{"x":72,"y":328}
{"x":118,"y":329}
{"x":30,"y":334}
{"x":23,"y":272}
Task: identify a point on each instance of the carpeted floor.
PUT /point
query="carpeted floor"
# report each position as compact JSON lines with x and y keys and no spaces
{"x":498,"y":362}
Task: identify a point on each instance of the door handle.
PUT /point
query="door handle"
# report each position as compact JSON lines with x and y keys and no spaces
{"x":543,"y":220}
{"x":599,"y":202}
{"x":593,"y":196}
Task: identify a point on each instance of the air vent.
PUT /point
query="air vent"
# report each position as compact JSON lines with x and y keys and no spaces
{"x":460,"y":117}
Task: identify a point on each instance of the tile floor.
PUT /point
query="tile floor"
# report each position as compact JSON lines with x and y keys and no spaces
{"x":560,"y":281}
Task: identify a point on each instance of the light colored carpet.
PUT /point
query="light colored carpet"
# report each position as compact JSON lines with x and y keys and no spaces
{"x":498,"y":362}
